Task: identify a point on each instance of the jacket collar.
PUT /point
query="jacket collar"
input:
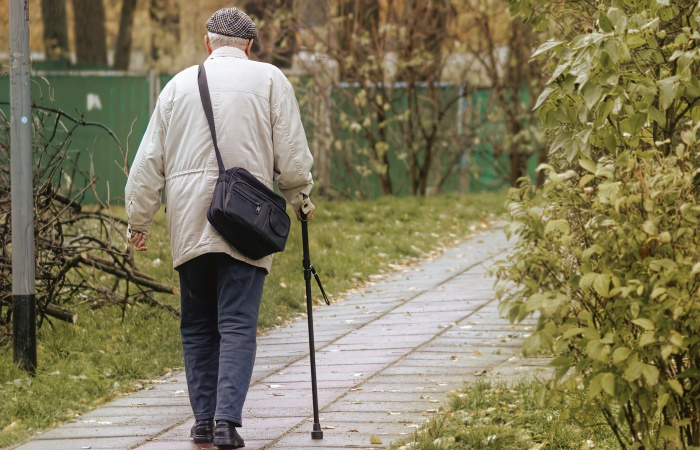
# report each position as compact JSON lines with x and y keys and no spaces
{"x":224,"y":52}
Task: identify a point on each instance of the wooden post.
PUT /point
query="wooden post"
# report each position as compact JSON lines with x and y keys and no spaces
{"x":23,"y":259}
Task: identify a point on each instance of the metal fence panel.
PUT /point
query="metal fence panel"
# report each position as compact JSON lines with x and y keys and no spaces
{"x":120,"y":102}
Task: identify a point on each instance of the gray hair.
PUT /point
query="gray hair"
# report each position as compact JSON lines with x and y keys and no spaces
{"x":219,"y":40}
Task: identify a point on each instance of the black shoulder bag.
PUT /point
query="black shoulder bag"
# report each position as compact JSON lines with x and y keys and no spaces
{"x":246,"y":213}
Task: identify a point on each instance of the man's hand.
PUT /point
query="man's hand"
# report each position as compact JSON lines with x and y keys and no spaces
{"x":309,"y":216}
{"x":138,"y":241}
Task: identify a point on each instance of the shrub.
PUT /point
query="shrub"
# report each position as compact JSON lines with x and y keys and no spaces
{"x":609,"y":250}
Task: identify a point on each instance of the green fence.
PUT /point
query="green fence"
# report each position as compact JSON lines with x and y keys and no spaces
{"x":122,"y":103}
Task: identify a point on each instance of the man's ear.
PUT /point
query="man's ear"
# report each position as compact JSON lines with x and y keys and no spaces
{"x":207,"y":44}
{"x":248,"y":47}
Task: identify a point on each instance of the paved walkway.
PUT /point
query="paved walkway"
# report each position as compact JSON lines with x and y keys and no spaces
{"x":387,"y":357}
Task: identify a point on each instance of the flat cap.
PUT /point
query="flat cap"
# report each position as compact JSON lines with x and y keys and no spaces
{"x":232,"y":22}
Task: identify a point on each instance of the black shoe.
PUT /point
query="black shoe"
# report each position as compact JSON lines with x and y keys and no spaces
{"x":203,"y":431}
{"x":226,"y":437}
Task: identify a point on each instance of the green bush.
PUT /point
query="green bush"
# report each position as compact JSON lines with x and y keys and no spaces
{"x":608,"y":252}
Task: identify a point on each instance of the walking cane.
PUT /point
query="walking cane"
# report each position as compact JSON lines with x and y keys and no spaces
{"x":317,"y":433}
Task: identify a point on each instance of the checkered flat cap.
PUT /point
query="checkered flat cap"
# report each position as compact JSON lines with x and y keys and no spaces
{"x":232,"y":22}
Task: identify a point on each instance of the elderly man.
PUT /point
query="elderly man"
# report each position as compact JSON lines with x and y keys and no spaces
{"x":259,"y":128}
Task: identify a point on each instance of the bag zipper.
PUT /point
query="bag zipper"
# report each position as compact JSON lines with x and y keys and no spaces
{"x":258,"y":206}
{"x":271,"y":200}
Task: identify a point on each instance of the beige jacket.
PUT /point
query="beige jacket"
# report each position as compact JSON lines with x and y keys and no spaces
{"x":258,"y":127}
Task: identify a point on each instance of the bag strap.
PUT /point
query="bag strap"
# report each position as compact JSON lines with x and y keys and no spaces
{"x":209,"y":112}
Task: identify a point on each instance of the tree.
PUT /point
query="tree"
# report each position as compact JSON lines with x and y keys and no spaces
{"x":90,"y":32}
{"x":122,"y":52}
{"x":609,"y":259}
{"x":55,"y":29}
{"x":501,"y":47}
{"x":276,"y":23}
{"x":393,"y":58}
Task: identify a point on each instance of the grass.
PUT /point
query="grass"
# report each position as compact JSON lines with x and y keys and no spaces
{"x":503,"y":417}
{"x":84,"y":365}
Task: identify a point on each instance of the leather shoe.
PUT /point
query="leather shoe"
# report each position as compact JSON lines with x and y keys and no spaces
{"x":203,"y":431}
{"x":226,"y":437}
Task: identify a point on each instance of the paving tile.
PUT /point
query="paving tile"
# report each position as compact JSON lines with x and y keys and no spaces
{"x":179,"y":445}
{"x":180,"y":399}
{"x":337,"y":439}
{"x":92,"y":420}
{"x":354,"y":421}
{"x":92,"y":443}
{"x":136,"y":411}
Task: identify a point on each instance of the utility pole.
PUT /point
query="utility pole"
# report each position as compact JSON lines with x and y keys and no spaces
{"x":23,"y":259}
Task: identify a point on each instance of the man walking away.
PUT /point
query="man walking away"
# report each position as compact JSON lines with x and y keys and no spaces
{"x":259,"y":128}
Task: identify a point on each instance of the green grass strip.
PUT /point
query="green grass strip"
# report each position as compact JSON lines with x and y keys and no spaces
{"x":84,"y":365}
{"x":487,"y":415}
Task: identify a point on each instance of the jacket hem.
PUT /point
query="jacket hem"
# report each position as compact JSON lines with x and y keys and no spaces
{"x":264,"y":263}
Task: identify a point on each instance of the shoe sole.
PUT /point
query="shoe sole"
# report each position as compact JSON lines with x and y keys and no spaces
{"x":203,"y":439}
{"x":227,"y":446}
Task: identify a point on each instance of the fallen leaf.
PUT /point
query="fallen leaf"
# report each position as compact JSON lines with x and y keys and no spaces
{"x":12,"y":426}
{"x":454,"y":358}
{"x":353,"y":431}
{"x":275,"y":386}
{"x":477,"y":353}
{"x":328,"y":427}
{"x":277,"y":395}
{"x":375,"y":440}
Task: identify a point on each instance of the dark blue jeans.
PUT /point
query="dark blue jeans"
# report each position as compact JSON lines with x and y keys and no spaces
{"x":220,"y":298}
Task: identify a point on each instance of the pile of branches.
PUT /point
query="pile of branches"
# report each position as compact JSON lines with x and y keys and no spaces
{"x":81,"y":251}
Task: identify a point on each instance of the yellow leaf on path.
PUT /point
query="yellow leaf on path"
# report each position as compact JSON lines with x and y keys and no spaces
{"x":328,"y":427}
{"x":477,"y":353}
{"x":375,"y":440}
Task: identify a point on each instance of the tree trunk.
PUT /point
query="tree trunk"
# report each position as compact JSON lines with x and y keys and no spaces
{"x":385,"y":178}
{"x":165,"y":35}
{"x":90,"y":33}
{"x":517,"y":158}
{"x":53,"y":13}
{"x":286,"y":40}
{"x":514,"y":172}
{"x":258,"y":10}
{"x":358,"y":16}
{"x":122,"y":52}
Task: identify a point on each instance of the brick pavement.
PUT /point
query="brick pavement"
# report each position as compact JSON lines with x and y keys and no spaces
{"x":387,"y":357}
